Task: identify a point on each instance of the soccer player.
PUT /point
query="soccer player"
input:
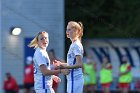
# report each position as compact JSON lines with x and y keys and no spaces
{"x":43,"y":75}
{"x":75,"y":80}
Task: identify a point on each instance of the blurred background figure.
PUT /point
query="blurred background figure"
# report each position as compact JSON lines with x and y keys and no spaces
{"x":125,"y":76}
{"x":10,"y":84}
{"x":137,"y":84}
{"x":89,"y":74}
{"x":106,"y":75}
{"x":29,"y":76}
{"x":53,"y":57}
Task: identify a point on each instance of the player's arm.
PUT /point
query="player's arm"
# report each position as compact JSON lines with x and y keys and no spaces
{"x":57,"y":63}
{"x":40,"y":59}
{"x":46,"y":71}
{"x":79,"y":63}
{"x":63,"y":63}
{"x":127,"y":71}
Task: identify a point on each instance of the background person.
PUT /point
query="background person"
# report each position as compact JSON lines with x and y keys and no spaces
{"x":106,"y":75}
{"x":137,"y":84}
{"x":89,"y":74}
{"x":53,"y":57}
{"x":10,"y":84}
{"x":125,"y":76}
{"x":28,"y":75}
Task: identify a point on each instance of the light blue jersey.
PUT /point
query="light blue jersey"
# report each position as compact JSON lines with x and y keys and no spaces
{"x":41,"y":82}
{"x":75,"y":75}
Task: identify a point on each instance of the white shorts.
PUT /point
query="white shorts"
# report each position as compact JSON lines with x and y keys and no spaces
{"x":44,"y":91}
{"x":75,"y":86}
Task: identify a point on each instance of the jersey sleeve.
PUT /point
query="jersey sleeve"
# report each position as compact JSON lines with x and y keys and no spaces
{"x":77,"y":50}
{"x":40,"y":58}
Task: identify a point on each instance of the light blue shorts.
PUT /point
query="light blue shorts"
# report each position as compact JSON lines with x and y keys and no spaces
{"x":75,"y":86}
{"x":44,"y":91}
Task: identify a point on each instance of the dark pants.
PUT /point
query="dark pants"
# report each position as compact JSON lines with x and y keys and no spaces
{"x":10,"y":91}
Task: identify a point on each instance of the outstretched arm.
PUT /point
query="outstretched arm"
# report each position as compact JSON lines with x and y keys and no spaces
{"x":46,"y":71}
{"x":57,"y":63}
{"x":79,"y":64}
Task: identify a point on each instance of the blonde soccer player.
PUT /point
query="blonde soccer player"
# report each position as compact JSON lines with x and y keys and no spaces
{"x":43,"y":75}
{"x":75,"y":80}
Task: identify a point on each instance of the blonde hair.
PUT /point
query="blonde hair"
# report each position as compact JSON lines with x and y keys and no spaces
{"x":34,"y":42}
{"x":78,"y":26}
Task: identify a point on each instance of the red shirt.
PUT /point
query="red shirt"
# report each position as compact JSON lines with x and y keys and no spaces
{"x":11,"y":84}
{"x":29,"y":74}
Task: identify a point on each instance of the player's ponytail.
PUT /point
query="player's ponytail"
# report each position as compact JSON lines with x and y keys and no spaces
{"x":81,"y":29}
{"x":33,"y":43}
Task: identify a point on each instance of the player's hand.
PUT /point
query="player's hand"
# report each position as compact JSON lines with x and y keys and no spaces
{"x":56,"y":79}
{"x":65,"y":71}
{"x":63,"y":66}
{"x":56,"y":63}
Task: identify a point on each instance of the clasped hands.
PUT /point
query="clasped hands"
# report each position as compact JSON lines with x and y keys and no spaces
{"x":61,"y":66}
